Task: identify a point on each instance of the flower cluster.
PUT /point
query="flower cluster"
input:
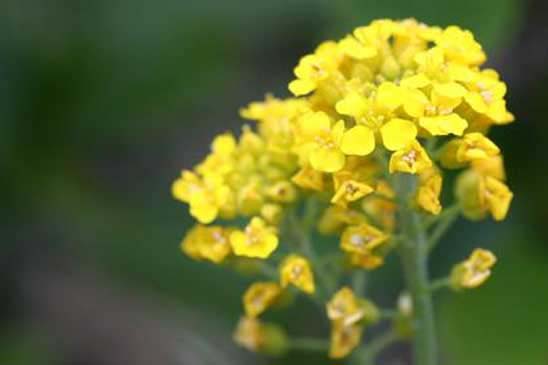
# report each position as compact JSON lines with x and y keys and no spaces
{"x":392,"y":99}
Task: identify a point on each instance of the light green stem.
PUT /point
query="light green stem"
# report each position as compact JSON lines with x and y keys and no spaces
{"x":414,"y":255}
{"x":309,"y":344}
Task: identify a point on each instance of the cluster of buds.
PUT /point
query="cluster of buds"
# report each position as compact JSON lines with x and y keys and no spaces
{"x":392,"y":99}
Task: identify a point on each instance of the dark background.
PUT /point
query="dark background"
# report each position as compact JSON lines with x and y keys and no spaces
{"x":103,"y":102}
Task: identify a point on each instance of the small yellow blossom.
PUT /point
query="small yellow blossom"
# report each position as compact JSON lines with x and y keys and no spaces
{"x":207,"y":242}
{"x":344,"y":339}
{"x":345,"y":307}
{"x":282,"y":192}
{"x":492,"y":166}
{"x":350,"y":191}
{"x":259,"y":296}
{"x":322,"y":141}
{"x":365,"y":261}
{"x":314,"y":69}
{"x":205,"y":196}
{"x":428,"y":194}
{"x":362,"y":239}
{"x":309,"y":178}
{"x":479,"y":194}
{"x":249,"y":334}
{"x":256,"y":240}
{"x":474,"y":271}
{"x":412,"y":159}
{"x":460,"y":46}
{"x":272,"y":213}
{"x":497,"y":197}
{"x":335,"y":218}
{"x":296,"y":270}
{"x":472,"y":147}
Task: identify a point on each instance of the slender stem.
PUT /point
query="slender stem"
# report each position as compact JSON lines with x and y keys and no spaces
{"x":372,"y":349}
{"x":440,"y":284}
{"x":359,"y":282}
{"x":447,"y":218}
{"x":414,"y":255}
{"x":309,"y":344}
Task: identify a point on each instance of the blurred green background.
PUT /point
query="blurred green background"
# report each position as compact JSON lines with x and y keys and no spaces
{"x":103,"y":102}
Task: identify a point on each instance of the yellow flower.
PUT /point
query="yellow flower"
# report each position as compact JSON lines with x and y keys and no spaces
{"x":474,"y":271}
{"x":497,"y":197}
{"x":335,"y":218}
{"x":345,"y":307}
{"x":257,"y":240}
{"x":366,"y":261}
{"x":272,"y":213}
{"x":309,"y":178}
{"x":486,"y":96}
{"x":428,"y":194}
{"x":473,"y":146}
{"x":206,"y":196}
{"x":296,"y":270}
{"x":353,"y":48}
{"x":350,"y":191}
{"x":259,"y":296}
{"x":207,"y":242}
{"x":322,"y":141}
{"x":344,"y":339}
{"x":314,"y":69}
{"x":412,"y":159}
{"x":491,"y":166}
{"x":460,"y":46}
{"x":249,"y":334}
{"x":372,"y":116}
{"x":362,"y":239}
{"x":282,"y":192}
{"x":479,"y":194}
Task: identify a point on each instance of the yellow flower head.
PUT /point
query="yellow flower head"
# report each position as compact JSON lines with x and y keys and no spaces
{"x":259,"y":296}
{"x":362,"y":239}
{"x":474,"y":271}
{"x":256,"y":240}
{"x":296,"y":270}
{"x":412,"y":159}
{"x":207,"y":243}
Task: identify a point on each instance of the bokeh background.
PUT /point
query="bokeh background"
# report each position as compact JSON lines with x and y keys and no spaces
{"x":103,"y":102}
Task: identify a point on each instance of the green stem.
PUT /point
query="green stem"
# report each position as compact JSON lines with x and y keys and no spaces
{"x":414,"y":255}
{"x":447,"y":218}
{"x":372,"y":349}
{"x":309,"y":344}
{"x":440,"y":284}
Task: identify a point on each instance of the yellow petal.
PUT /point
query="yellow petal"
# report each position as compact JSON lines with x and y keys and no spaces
{"x":301,"y":87}
{"x":353,"y":105}
{"x":444,"y":124}
{"x":327,"y":159}
{"x":358,"y":140}
{"x":398,"y":133}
